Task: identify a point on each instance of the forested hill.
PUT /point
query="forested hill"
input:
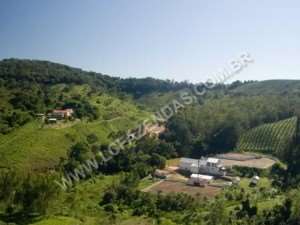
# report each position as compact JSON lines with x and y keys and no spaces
{"x":28,"y":87}
{"x":16,"y":72}
{"x":269,"y":87}
{"x":25,"y":73}
{"x":19,"y":73}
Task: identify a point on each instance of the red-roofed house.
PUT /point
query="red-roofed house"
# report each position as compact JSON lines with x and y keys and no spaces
{"x":62,"y":113}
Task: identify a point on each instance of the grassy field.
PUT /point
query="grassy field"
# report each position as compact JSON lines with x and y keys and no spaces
{"x":146,"y":182}
{"x":59,"y":221}
{"x":173,"y":162}
{"x":263,"y":183}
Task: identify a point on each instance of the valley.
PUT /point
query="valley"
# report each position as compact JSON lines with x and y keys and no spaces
{"x":233,"y":125}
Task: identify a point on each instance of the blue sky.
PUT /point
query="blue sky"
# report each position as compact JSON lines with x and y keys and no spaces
{"x":169,"y":39}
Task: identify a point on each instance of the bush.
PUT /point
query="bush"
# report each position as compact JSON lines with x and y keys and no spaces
{"x":248,"y":171}
{"x":92,"y":138}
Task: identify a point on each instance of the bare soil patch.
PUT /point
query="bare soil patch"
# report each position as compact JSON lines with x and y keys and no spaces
{"x":169,"y":186}
{"x":246,"y":160}
{"x":238,"y":156}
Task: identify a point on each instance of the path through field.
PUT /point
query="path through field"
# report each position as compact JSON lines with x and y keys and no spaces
{"x":152,"y":186}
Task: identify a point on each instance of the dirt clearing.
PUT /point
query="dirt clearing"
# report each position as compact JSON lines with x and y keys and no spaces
{"x":246,"y":160}
{"x":168,"y":186}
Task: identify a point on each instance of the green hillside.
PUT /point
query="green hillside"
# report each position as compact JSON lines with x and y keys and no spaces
{"x":103,"y":105}
{"x":273,"y":138}
{"x":91,"y":221}
{"x":37,"y":146}
{"x":81,"y":207}
{"x":59,"y":221}
{"x":155,"y":101}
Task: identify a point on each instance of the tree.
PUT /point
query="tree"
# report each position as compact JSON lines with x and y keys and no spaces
{"x":246,"y":210}
{"x":157,"y":160}
{"x":216,"y":214}
{"x":79,"y":151}
{"x":92,"y":138}
{"x":31,"y":197}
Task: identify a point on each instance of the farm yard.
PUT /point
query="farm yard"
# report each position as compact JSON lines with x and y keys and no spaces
{"x":262,"y":163}
{"x":174,"y":184}
{"x":179,"y":187}
{"x":246,"y":160}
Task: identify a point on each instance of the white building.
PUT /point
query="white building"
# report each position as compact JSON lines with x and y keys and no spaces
{"x":199,"y":179}
{"x":211,"y":166}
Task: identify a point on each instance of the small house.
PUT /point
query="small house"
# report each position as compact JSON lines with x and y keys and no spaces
{"x":254,"y":180}
{"x":62,"y":113}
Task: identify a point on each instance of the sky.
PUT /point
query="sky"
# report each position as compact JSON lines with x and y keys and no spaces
{"x":168,"y":39}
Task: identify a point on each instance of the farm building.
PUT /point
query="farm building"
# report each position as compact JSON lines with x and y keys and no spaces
{"x":61,"y":113}
{"x":211,"y":166}
{"x":154,"y":130}
{"x":162,"y":174}
{"x":199,"y":180}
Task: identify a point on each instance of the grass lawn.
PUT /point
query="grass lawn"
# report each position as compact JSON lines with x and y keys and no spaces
{"x":146,"y":182}
{"x":92,"y":221}
{"x":270,"y":203}
{"x":263,"y":183}
{"x":59,"y":221}
{"x":173,"y":162}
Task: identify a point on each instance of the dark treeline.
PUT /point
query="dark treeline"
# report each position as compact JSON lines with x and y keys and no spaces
{"x":144,"y":157}
{"x":26,"y":196}
{"x":27,"y":72}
